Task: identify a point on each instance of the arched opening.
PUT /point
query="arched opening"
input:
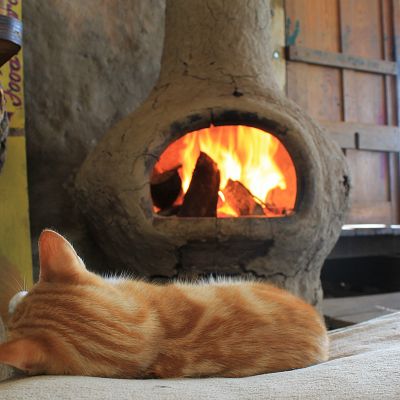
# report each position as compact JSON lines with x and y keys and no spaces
{"x":225,"y":171}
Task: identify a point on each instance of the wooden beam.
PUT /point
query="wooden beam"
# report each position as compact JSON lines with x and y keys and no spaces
{"x":395,"y":158}
{"x":387,"y":33}
{"x":340,"y":60}
{"x":396,"y":22}
{"x":388,"y":30}
{"x":394,"y":173}
{"x":376,"y":213}
{"x":352,"y":135}
{"x":340,"y":134}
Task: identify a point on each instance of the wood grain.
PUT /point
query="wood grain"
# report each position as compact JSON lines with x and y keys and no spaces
{"x":355,"y":135}
{"x":340,"y":60}
{"x":370,"y":177}
{"x":365,"y":102}
{"x":396,"y":29}
{"x":388,"y":54}
{"x":373,"y":213}
{"x":358,"y":108}
{"x":315,"y":88}
{"x":389,"y":25}
{"x":394,"y":97}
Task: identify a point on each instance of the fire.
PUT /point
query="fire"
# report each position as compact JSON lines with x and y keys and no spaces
{"x":253,"y":157}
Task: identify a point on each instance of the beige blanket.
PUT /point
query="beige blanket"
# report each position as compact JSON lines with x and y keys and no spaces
{"x":364,"y":364}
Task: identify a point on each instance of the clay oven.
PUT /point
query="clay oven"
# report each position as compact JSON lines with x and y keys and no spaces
{"x":216,"y":80}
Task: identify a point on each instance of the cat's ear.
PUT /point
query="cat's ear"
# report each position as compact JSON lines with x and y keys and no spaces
{"x":25,"y":354}
{"x":58,"y":260}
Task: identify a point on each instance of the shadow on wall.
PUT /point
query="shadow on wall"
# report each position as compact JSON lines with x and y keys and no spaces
{"x":87,"y":65}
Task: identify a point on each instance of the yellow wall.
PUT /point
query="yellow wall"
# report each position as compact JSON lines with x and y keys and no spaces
{"x":15,"y":246}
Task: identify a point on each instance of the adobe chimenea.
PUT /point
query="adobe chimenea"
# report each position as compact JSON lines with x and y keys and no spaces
{"x":160,"y":213}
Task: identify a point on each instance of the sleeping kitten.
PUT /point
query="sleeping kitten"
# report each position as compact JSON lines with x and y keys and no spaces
{"x":75,"y":322}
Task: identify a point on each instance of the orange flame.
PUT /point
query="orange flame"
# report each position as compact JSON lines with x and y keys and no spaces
{"x":254,"y":157}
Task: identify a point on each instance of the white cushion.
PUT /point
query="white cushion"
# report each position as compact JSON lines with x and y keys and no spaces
{"x":364,"y":364}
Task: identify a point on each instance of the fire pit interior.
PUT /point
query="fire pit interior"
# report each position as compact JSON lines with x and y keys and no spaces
{"x":224,"y":171}
{"x":217,"y":172}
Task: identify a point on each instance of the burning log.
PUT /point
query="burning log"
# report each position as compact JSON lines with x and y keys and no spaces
{"x":170,"y":211}
{"x":273,"y":211}
{"x":276,"y":197}
{"x":240,"y":199}
{"x":202,"y":196}
{"x":165,"y":188}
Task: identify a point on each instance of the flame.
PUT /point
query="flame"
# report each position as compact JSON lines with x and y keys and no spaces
{"x":224,"y":209}
{"x":254,"y":157}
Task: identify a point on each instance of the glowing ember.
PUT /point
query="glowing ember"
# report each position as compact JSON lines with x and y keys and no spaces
{"x":249,"y":155}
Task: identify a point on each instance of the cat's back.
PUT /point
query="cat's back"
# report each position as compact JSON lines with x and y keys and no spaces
{"x":256,"y":297}
{"x":260,"y":327}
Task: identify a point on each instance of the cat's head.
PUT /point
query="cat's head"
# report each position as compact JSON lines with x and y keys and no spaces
{"x":48,"y":327}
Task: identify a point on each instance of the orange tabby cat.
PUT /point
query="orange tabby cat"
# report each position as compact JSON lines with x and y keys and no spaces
{"x":75,"y":322}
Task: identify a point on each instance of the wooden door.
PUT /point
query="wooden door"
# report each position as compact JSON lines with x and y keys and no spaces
{"x":341,"y":67}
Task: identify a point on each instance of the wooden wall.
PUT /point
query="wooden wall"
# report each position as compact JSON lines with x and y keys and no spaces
{"x":341,"y":67}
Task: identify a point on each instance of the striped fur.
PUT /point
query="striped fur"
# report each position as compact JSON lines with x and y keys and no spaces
{"x":75,"y":322}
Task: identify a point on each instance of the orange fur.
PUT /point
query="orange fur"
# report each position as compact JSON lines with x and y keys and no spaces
{"x":75,"y":322}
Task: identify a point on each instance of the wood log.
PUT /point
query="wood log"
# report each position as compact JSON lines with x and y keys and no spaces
{"x":165,"y":188}
{"x":276,"y":202}
{"x":170,"y":211}
{"x":240,"y":199}
{"x":273,"y":211}
{"x":202,"y":196}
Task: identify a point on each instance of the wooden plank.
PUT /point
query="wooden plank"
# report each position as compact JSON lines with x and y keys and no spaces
{"x":391,"y":112}
{"x":361,"y":308}
{"x":394,"y":172}
{"x":278,"y":42}
{"x":353,"y":135}
{"x":315,"y":88}
{"x":395,"y":158}
{"x":370,"y":195}
{"x":340,"y":133}
{"x":381,"y":138}
{"x":364,"y":102}
{"x":388,"y":54}
{"x":340,"y":60}
{"x":361,"y":35}
{"x":364,"y":98}
{"x":357,"y":97}
{"x":370,"y":213}
{"x":396,"y":25}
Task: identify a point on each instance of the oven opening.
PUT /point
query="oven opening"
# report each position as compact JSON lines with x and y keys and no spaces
{"x":227,"y":171}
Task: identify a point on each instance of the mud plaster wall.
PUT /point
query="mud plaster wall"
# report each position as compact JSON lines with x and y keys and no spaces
{"x":87,"y":64}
